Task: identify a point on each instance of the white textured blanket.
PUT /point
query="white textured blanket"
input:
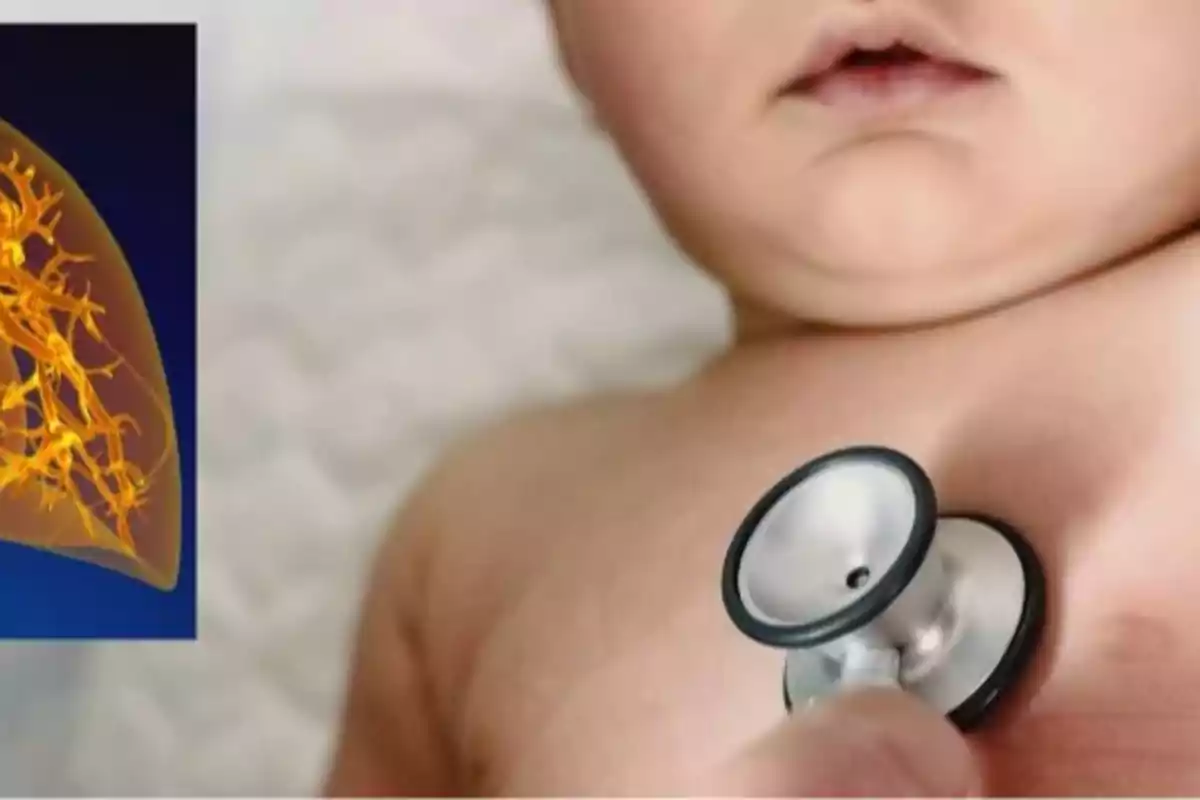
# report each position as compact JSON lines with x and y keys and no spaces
{"x":408,"y":227}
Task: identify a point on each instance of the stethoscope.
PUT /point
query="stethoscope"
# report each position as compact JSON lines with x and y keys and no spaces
{"x":847,"y":566}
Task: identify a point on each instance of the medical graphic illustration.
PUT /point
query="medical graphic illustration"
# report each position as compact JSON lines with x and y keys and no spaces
{"x":847,"y":567}
{"x":89,"y":465}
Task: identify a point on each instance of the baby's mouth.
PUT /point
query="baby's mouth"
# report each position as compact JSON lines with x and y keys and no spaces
{"x":892,"y":79}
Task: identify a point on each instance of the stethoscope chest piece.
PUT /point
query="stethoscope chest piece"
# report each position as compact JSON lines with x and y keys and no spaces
{"x":847,"y":566}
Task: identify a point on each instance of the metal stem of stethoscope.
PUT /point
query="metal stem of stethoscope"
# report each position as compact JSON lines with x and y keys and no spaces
{"x":846,"y":565}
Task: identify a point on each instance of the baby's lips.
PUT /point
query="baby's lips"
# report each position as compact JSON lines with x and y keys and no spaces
{"x":875,"y":31}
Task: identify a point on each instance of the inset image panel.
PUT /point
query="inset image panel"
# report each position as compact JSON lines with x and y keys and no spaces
{"x":98,"y":331}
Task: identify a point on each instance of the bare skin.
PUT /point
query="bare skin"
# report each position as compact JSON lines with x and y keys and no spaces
{"x":999,"y":281}
{"x":572,"y":638}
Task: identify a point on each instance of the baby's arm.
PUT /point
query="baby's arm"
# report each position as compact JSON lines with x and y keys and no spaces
{"x":393,"y":738}
{"x":391,"y":743}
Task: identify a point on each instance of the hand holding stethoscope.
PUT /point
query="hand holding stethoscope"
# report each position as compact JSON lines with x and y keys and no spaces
{"x":847,"y":566}
{"x":880,"y":743}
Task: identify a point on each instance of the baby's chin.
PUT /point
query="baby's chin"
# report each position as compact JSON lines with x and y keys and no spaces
{"x":925,"y":302}
{"x":862,"y":287}
{"x":882,"y":247}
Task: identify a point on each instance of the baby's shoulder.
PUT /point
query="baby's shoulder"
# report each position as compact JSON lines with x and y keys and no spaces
{"x":464,"y":541}
{"x":484,"y":516}
{"x":496,"y":487}
{"x":509,"y":468}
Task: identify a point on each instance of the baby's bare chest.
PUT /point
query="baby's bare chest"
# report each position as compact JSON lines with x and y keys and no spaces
{"x":611,"y":664}
{"x":601,"y":659}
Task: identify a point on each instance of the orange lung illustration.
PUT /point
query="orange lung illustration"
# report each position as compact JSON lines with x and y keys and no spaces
{"x":89,"y":464}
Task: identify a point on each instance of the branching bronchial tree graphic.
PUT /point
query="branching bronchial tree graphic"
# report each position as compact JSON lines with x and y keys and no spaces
{"x":70,"y":448}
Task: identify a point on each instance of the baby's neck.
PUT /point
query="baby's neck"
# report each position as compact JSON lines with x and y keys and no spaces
{"x":1111,"y":356}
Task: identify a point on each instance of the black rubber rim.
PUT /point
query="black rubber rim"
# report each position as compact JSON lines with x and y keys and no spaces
{"x":974,"y":711}
{"x":866,"y":607}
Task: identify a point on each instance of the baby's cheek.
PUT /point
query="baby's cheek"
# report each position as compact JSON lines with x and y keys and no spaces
{"x":633,"y":58}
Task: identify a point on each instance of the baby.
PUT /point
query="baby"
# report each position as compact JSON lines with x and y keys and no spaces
{"x":965,"y":229}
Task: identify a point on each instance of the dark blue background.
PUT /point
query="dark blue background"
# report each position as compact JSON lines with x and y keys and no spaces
{"x":115,"y":105}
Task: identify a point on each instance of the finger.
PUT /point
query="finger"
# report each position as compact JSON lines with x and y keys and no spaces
{"x":870,"y":742}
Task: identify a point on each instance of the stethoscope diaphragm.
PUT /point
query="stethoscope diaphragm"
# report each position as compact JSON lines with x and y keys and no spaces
{"x":846,"y":565}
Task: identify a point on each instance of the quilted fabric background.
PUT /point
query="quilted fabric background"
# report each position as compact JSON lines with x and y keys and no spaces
{"x":408,"y":227}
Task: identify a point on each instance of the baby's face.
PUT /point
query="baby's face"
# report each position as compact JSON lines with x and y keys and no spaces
{"x":1042,"y":139}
